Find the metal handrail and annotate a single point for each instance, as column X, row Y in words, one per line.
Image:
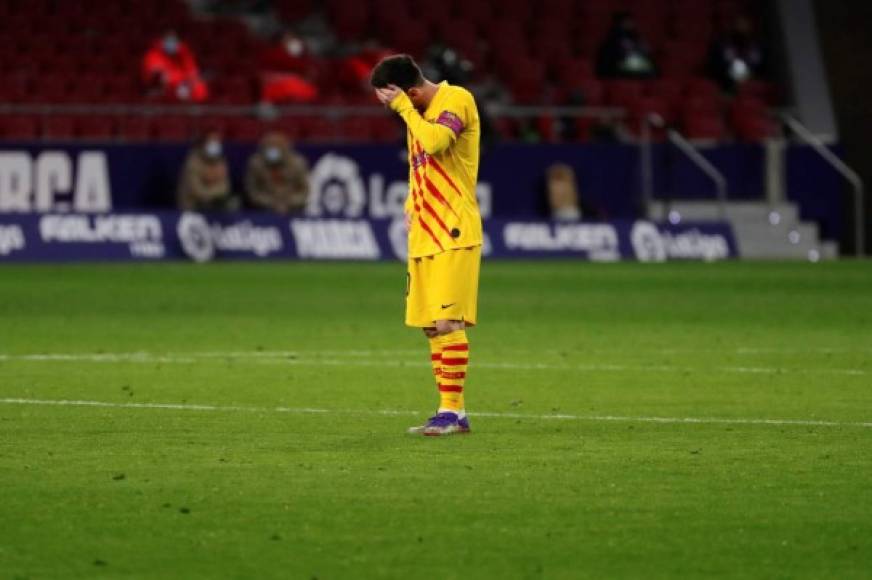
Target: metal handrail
column 690, row 151
column 842, row 169
column 705, row 166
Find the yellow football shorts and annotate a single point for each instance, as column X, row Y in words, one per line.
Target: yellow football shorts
column 443, row 287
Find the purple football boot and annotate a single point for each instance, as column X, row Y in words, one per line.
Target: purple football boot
column 445, row 423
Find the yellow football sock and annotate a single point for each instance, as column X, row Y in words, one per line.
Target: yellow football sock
column 454, row 358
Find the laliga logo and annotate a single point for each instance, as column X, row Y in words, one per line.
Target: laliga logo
column 647, row 242
column 11, row 239
column 196, row 237
column 336, row 187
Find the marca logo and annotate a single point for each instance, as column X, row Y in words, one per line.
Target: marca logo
column 598, row 241
column 335, row 239
column 336, row 188
column 11, row 239
column 143, row 233
column 54, row 181
column 652, row 244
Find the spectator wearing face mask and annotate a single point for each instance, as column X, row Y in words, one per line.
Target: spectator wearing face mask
column 277, row 178
column 286, row 71
column 736, row 57
column 170, row 69
column 624, row 54
column 205, row 181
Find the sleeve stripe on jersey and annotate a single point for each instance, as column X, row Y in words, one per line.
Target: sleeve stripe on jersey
column 429, row 231
column 444, row 175
column 433, row 213
column 438, row 195
column 432, row 189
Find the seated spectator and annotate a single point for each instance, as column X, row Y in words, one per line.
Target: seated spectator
column 736, row 57
column 562, row 193
column 169, row 67
column 205, row 182
column 277, row 178
column 356, row 66
column 623, row 53
column 286, row 69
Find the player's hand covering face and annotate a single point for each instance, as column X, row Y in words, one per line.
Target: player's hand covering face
column 387, row 94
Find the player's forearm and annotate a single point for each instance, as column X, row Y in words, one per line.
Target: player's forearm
column 432, row 137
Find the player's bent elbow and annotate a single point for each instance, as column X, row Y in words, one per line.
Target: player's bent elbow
column 436, row 146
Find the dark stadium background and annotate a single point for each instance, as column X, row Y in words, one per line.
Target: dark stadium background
column 84, row 130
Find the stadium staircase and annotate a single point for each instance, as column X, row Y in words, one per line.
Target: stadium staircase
column 763, row 231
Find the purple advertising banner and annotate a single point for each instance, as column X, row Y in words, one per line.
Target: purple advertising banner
column 55, row 237
column 370, row 181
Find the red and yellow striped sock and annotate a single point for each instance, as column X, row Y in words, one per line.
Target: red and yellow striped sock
column 436, row 357
column 455, row 357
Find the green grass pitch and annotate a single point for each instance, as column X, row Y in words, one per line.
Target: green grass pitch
column 248, row 421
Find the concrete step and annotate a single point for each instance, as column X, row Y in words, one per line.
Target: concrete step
column 763, row 231
column 756, row 211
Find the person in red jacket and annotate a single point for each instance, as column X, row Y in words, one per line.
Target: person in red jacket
column 287, row 70
column 170, row 67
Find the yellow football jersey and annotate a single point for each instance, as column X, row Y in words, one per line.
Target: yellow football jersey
column 443, row 169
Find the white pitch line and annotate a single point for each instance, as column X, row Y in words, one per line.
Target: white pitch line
column 298, row 358
column 396, row 412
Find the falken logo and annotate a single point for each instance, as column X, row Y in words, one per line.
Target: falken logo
column 143, row 233
column 11, row 239
column 200, row 239
column 598, row 241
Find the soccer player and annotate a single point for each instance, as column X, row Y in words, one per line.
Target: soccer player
column 444, row 224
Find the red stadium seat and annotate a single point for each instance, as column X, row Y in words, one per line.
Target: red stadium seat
column 318, row 129
column 349, row 20
column 624, row 92
column 527, row 81
column 759, row 90
column 702, row 87
column 387, row 130
column 514, row 10
column 589, row 92
column 244, row 129
column 96, row 127
column 412, row 37
column 51, row 90
column 59, row 127
column 88, row 89
column 169, row 128
column 574, row 71
column 19, row 128
column 478, row 13
column 703, row 127
column 15, row 88
column 291, row 11
column 557, row 9
column 356, row 129
column 751, row 120
column 135, row 128
column 668, row 89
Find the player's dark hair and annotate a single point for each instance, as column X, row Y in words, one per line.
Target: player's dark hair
column 400, row 70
